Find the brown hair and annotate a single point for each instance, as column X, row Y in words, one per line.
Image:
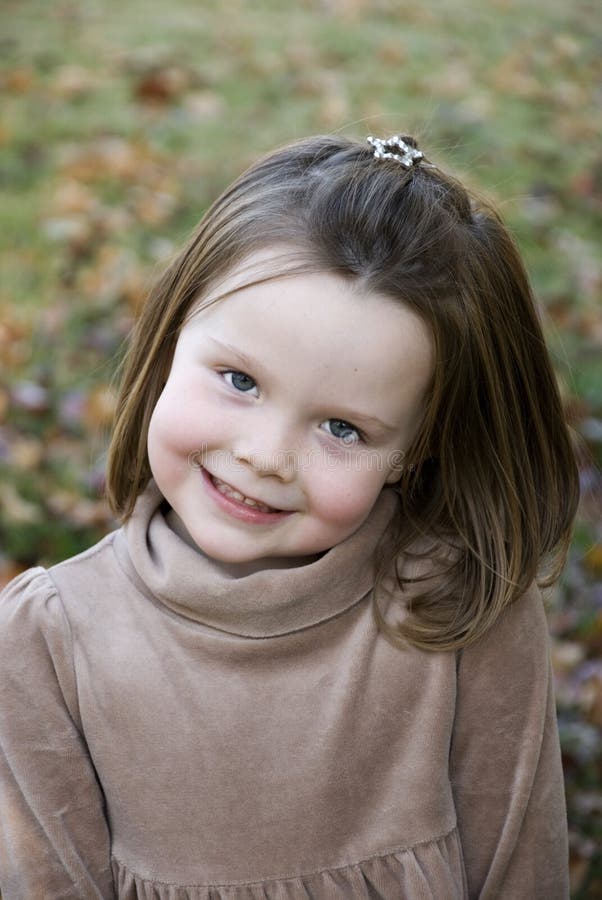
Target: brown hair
column 493, row 479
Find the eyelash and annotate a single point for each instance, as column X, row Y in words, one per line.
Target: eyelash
column 360, row 435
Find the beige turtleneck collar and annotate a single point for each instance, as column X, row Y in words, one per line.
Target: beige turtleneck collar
column 263, row 604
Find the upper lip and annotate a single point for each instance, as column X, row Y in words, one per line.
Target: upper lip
column 244, row 493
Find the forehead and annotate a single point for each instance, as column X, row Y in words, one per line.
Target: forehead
column 312, row 311
column 260, row 266
column 324, row 332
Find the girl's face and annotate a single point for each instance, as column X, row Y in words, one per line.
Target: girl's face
column 288, row 407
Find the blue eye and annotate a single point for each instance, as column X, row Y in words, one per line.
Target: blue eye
column 240, row 381
column 346, row 432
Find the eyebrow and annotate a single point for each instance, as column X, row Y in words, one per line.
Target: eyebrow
column 364, row 418
column 246, row 360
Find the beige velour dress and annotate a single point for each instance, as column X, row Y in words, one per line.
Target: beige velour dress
column 168, row 732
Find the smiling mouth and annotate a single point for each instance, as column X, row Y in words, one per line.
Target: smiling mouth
column 228, row 491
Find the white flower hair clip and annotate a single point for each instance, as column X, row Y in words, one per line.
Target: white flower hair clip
column 397, row 149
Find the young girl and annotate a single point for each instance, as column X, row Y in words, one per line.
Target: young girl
column 313, row 662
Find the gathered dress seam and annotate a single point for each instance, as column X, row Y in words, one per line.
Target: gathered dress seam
column 272, row 878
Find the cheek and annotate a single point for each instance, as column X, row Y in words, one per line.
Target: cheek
column 182, row 421
column 343, row 497
column 168, row 425
column 171, row 441
column 162, row 441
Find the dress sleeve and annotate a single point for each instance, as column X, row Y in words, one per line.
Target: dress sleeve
column 505, row 764
column 54, row 838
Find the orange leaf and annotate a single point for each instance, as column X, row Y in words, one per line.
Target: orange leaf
column 593, row 559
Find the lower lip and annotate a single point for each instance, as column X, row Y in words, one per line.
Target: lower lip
column 241, row 510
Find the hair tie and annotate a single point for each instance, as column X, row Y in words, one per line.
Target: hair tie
column 397, row 149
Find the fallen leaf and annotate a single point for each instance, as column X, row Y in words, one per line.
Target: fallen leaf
column 19, row 80
column 593, row 559
column 14, row 507
column 72, row 196
column 162, row 85
column 393, row 52
column 203, row 105
column 6, row 134
column 4, row 403
column 566, row 655
column 100, row 406
column 71, row 81
column 26, row 453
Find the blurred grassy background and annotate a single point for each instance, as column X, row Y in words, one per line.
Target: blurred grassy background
column 122, row 120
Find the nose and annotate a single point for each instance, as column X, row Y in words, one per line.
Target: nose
column 269, row 452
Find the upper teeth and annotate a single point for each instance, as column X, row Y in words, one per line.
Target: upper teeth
column 224, row 488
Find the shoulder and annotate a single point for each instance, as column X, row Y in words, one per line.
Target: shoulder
column 520, row 630
column 35, row 644
column 38, row 628
column 513, row 657
column 33, row 601
column 88, row 564
column 27, row 599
